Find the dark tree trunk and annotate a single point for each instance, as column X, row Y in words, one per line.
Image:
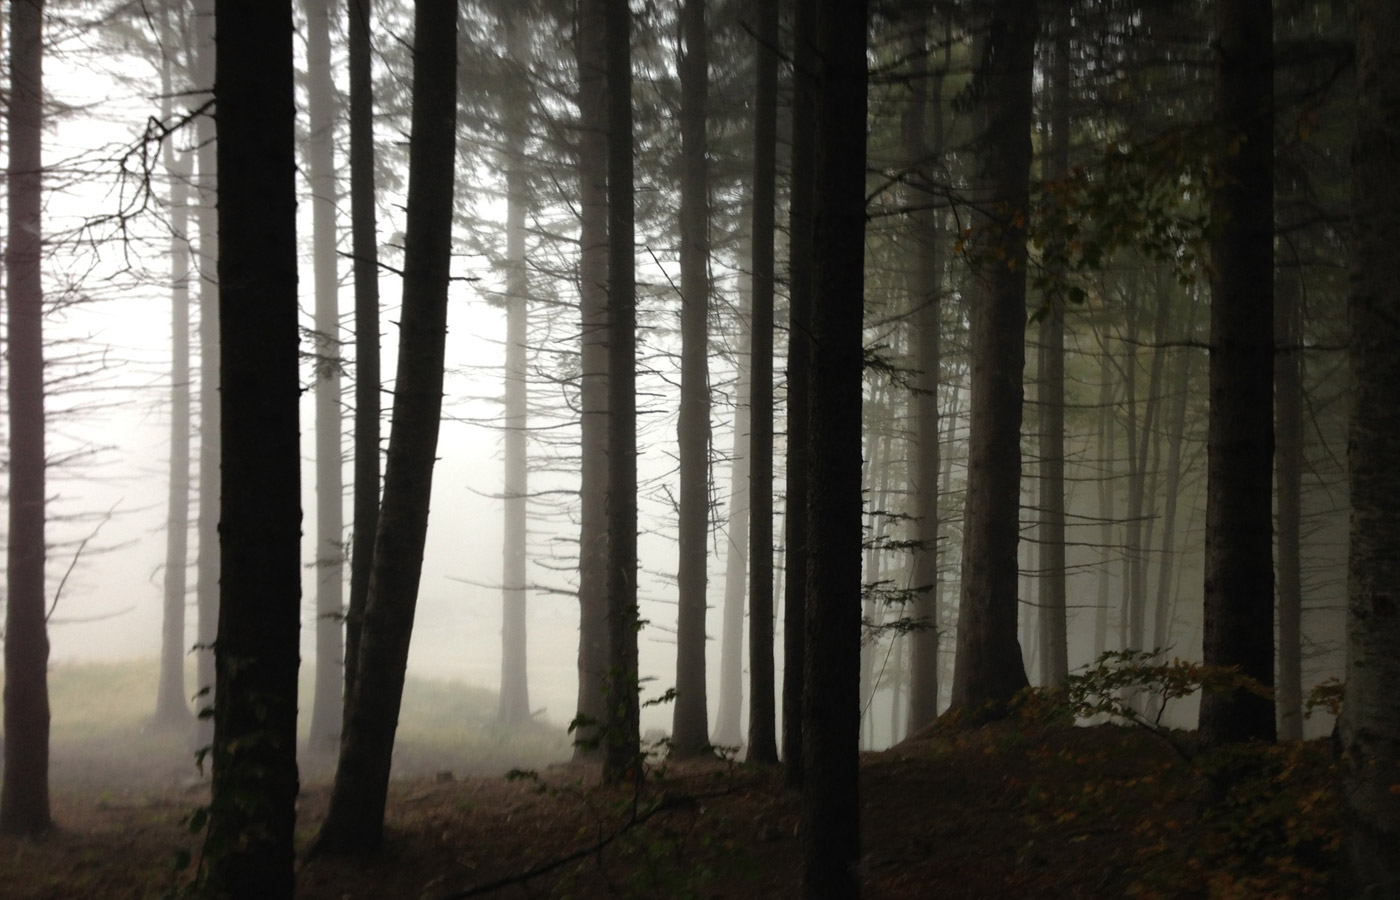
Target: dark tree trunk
column 925, row 299
column 1370, row 724
column 804, row 115
column 514, row 707
column 210, row 434
column 1288, row 476
column 1239, row 567
column 690, row 734
column 763, row 739
column 252, row 812
column 830, row 807
column 329, row 559
column 355, row 819
column 621, row 761
column 593, row 390
column 172, row 709
column 365, row 247
column 988, row 667
column 24, row 796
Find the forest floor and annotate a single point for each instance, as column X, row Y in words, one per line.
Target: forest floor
column 1014, row 809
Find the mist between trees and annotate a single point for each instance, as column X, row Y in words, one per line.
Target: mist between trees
column 809, row 437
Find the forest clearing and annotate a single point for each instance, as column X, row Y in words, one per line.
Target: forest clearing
column 1020, row 808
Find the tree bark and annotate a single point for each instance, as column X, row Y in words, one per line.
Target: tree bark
column 1239, row 568
column 252, row 812
column 988, row 668
column 763, row 741
column 329, row 561
column 830, row 808
column 355, row 820
column 736, row 563
column 1370, row 723
column 690, row 724
column 24, row 795
column 1288, row 478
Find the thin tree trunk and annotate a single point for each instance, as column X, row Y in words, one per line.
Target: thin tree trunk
column 355, row 820
column 24, row 796
column 690, row 724
column 329, row 560
column 252, row 812
column 736, row 565
column 1288, row 475
column 763, row 740
column 1107, row 496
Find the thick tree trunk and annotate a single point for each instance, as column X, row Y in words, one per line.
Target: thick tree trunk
column 830, row 808
column 1239, row 568
column 355, row 819
column 24, row 796
column 252, row 812
column 1370, row 725
column 763, row 741
column 621, row 761
column 799, row 378
column 514, row 707
column 329, row 562
column 1288, row 477
column 988, row 667
column 690, row 729
column 365, row 246
column 593, row 377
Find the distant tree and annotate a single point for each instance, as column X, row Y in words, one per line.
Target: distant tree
column 364, row 245
column 592, row 161
column 690, row 724
column 1239, row 568
column 988, row 668
column 736, row 549
column 763, row 742
column 1370, row 723
column 24, row 795
column 355, row 820
column 329, row 560
column 252, row 812
column 622, row 723
column 830, row 808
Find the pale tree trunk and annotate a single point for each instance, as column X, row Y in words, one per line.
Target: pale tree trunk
column 1370, row 724
column 830, row 805
column 329, row 559
column 988, row 667
column 364, row 244
column 1288, row 477
column 207, row 554
column 514, row 707
column 593, row 377
column 1238, row 627
column 355, row 819
column 172, row 709
column 1107, row 495
column 24, row 796
column 621, row 758
column 798, row 389
column 736, row 564
column 763, row 740
column 690, row 724
column 252, row 809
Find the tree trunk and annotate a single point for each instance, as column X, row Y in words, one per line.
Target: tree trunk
column 763, row 741
column 24, row 796
column 736, row 563
column 514, row 707
column 329, row 562
column 799, row 378
column 593, row 390
column 355, row 820
column 690, row 729
column 1288, row 475
column 365, row 246
column 252, row 811
column 1107, row 496
column 1239, row 567
column 622, row 759
column 172, row 710
column 988, row 668
column 210, row 434
column 1370, row 724
column 830, row 807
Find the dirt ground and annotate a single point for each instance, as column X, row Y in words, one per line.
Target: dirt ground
column 1001, row 811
